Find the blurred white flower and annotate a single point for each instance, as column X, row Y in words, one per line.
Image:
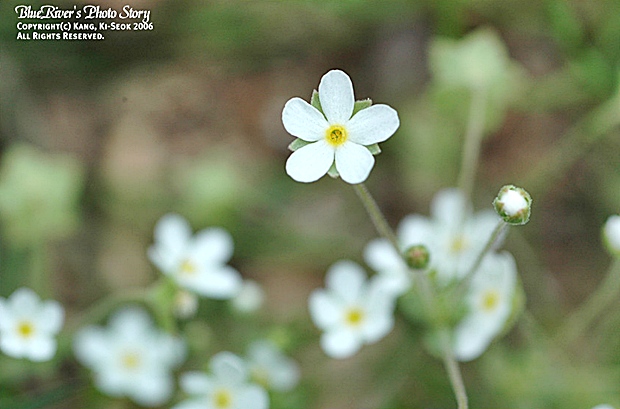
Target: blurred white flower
column 603, row 407
column 28, row 326
column 351, row 310
column 611, row 234
column 131, row 357
column 250, row 298
column 196, row 263
column 335, row 135
column 489, row 301
column 271, row 368
column 453, row 235
column 227, row 387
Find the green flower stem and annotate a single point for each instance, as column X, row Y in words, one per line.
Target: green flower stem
column 578, row 139
column 39, row 276
column 579, row 321
column 384, row 229
column 473, row 140
column 464, row 284
column 376, row 216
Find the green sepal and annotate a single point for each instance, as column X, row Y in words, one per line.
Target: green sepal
column 362, row 104
column 374, row 148
column 333, row 172
column 316, row 102
column 297, row 143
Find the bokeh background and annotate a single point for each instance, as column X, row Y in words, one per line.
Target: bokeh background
column 110, row 135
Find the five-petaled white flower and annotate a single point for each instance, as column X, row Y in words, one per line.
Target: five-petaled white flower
column 28, row 325
column 131, row 357
column 336, row 135
column 453, row 235
column 227, row 387
column 271, row 368
column 196, row 263
column 489, row 301
column 351, row 310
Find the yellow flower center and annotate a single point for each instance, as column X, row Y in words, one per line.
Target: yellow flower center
column 25, row 329
column 490, row 300
column 354, row 316
column 458, row 244
column 130, row 360
column 336, row 135
column 187, row 268
column 222, row 399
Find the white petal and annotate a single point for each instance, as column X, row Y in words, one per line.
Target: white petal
column 341, row 343
column 196, row 383
column 7, row 320
column 346, row 279
column 471, row 339
column 415, row 229
column 380, row 255
column 325, row 311
column 373, row 125
column 131, row 322
column 377, row 327
column 24, row 302
column 222, row 283
column 13, row 345
column 285, row 376
column 192, row 404
column 304, row 121
column 41, row 348
column 90, row 346
column 51, row 317
column 450, row 207
column 354, row 162
column 152, row 390
column 229, row 368
column 172, row 230
column 252, row 397
column 336, row 96
column 309, row 163
column 211, row 246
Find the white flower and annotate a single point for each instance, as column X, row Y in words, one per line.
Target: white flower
column 603, row 406
column 131, row 357
column 351, row 311
column 28, row 325
column 489, row 301
column 271, row 368
column 335, row 135
column 226, row 388
column 453, row 236
column 196, row 263
column 611, row 234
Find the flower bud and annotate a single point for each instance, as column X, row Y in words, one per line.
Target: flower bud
column 611, row 235
column 417, row 257
column 513, row 204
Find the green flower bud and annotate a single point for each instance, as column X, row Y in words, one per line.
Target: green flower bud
column 417, row 257
column 513, row 204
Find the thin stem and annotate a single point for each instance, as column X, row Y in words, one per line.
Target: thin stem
column 501, row 226
column 376, row 216
column 578, row 139
column 473, row 139
column 454, row 372
column 585, row 315
column 384, row 229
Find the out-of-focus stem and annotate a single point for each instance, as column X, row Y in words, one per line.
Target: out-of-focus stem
column 473, row 139
column 607, row 291
column 384, row 229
